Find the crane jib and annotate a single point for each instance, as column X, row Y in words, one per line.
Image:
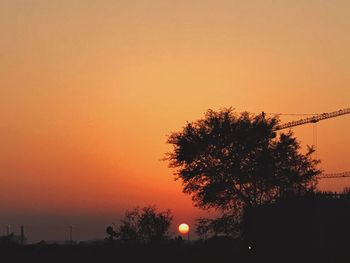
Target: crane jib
column 312, row 119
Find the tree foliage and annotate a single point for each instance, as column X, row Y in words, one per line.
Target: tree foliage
column 144, row 225
column 226, row 225
column 229, row 161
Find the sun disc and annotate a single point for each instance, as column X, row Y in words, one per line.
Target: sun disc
column 184, row 228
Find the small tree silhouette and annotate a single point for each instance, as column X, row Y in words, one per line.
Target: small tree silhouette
column 144, row 225
column 112, row 235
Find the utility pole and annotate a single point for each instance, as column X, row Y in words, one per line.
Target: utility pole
column 22, row 235
column 71, row 234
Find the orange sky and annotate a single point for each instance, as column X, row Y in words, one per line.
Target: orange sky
column 90, row 89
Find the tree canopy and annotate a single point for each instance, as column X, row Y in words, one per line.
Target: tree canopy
column 144, row 225
column 230, row 161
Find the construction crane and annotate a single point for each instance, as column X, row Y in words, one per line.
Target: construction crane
column 334, row 175
column 312, row 119
column 315, row 119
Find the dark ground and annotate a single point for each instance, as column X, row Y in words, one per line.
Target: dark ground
column 219, row 252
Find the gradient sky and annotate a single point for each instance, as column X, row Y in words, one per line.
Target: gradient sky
column 90, row 89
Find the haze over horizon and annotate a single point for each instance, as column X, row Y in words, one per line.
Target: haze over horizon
column 90, row 89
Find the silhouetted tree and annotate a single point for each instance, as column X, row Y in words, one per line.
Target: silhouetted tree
column 226, row 225
column 144, row 225
column 112, row 235
column 232, row 162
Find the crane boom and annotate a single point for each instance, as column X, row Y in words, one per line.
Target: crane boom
column 334, row 175
column 315, row 119
column 312, row 119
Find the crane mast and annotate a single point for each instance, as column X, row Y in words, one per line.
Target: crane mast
column 312, row 119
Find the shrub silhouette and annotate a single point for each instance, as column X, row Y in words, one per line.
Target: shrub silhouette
column 145, row 225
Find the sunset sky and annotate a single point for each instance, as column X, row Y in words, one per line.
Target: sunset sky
column 90, row 89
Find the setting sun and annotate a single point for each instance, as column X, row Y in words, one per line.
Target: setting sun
column 184, row 229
